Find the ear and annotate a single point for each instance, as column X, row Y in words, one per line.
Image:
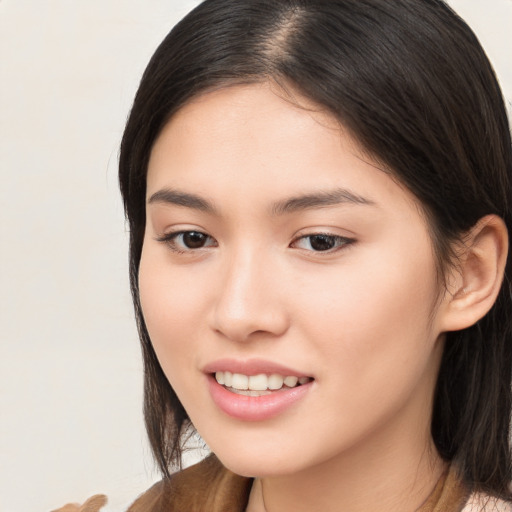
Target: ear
column 475, row 281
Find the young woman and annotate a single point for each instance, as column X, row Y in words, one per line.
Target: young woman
column 319, row 199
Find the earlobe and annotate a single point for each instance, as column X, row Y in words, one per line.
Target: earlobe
column 478, row 274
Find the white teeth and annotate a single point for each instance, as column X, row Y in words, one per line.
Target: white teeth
column 291, row 382
column 261, row 382
column 240, row 381
column 275, row 381
column 250, row 392
column 258, row 382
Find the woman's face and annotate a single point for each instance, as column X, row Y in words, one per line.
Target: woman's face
column 274, row 248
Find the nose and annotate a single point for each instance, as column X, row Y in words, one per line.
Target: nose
column 248, row 299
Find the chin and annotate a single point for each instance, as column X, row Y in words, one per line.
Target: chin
column 260, row 467
column 261, row 458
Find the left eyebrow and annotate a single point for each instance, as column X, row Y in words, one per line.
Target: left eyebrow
column 320, row 199
column 185, row 199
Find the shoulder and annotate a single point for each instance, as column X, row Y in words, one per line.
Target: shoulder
column 206, row 486
column 479, row 502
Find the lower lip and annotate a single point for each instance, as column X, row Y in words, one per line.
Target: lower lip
column 255, row 408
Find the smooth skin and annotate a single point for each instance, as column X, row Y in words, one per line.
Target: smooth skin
column 342, row 286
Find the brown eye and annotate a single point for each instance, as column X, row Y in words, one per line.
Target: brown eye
column 322, row 242
column 194, row 239
column 187, row 241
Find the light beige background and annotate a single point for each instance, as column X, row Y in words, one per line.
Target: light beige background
column 70, row 371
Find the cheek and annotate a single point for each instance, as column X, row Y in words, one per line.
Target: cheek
column 371, row 337
column 169, row 308
column 374, row 316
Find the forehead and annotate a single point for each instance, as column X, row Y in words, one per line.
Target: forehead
column 242, row 140
column 252, row 118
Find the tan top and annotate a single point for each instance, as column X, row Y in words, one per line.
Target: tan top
column 210, row 487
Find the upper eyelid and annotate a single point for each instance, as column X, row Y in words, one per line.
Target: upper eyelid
column 319, row 233
column 172, row 235
column 177, row 232
column 322, row 233
column 169, row 239
column 344, row 242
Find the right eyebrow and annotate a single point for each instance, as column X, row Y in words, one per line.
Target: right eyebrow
column 178, row 198
column 320, row 199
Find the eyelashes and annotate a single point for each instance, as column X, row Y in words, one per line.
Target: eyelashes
column 187, row 241
column 321, row 242
column 190, row 241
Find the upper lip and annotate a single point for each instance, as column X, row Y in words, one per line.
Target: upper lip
column 251, row 367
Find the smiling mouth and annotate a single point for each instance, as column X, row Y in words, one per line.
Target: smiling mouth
column 258, row 385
